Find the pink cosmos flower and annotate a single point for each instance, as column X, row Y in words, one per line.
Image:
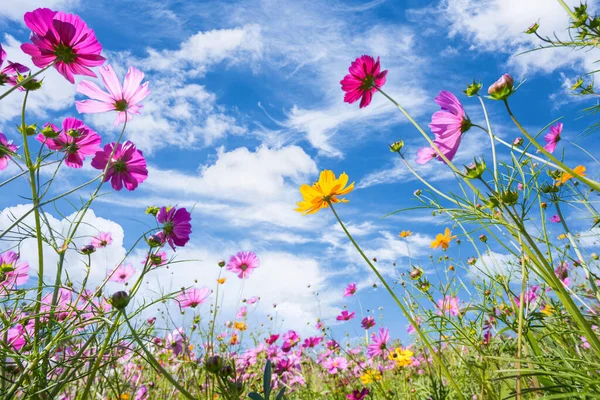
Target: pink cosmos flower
column 242, row 312
column 76, row 139
column 8, row 74
column 448, row 305
column 411, row 328
column 350, row 290
column 15, row 337
column 335, row 364
column 63, row 39
column 555, row 219
column 271, row 339
column 127, row 167
column 142, row 393
column 102, row 240
column 176, row 226
column 7, row 148
column 312, row 342
column 174, row 341
column 156, row 260
column 252, row 300
column 358, row 394
column 122, row 273
column 345, row 316
column 363, row 80
column 122, row 99
column 12, row 271
column 368, row 322
column 562, row 273
column 193, row 297
column 243, row 263
column 378, row 347
column 290, row 340
column 553, row 137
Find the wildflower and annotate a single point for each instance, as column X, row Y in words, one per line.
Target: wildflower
column 102, row 240
column 396, row 146
column 363, row 80
column 518, row 142
column 411, row 328
column 562, row 236
column 193, row 297
column 405, row 234
column 553, row 137
column 367, row 322
column 416, row 273
column 76, row 139
column 141, row 393
column 473, row 89
column 312, row 342
column 127, row 166
column 358, row 394
column 221, row 281
column 122, row 99
column 402, row 357
column 174, row 341
column 532, row 29
column 271, row 339
column 7, row 149
column 243, row 263
column 12, row 272
column 369, row 376
column 555, row 219
column 253, row 300
column 448, row 305
column 15, row 337
column 442, row 240
column 240, row 325
column 562, row 273
column 156, row 260
column 62, row 39
column 345, row 316
column 325, row 190
column 242, row 312
column 547, row 310
column 350, row 290
column 335, row 364
column 378, row 347
column 290, row 340
column 122, row 273
column 176, row 226
column 565, row 176
column 502, row 88
column 9, row 74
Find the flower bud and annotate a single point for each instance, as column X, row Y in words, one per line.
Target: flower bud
column 578, row 83
column 471, row 260
column 518, row 142
column 50, row 131
column 532, row 29
column 88, row 249
column 120, row 300
column 416, row 273
column 417, row 192
column 509, row 197
column 226, row 370
column 30, row 130
column 221, row 263
column 473, row 89
column 152, row 210
column 595, row 257
column 30, row 85
column 155, row 240
column 475, row 170
column 424, row 286
column 151, row 321
column 547, row 188
column 396, row 146
column 214, row 364
column 544, row 205
column 502, row 88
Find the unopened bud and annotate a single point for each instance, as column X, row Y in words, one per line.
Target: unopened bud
column 29, row 130
column 483, row 238
column 416, row 273
column 120, row 300
column 155, row 240
column 532, row 29
column 88, row 249
column 214, row 364
column 473, row 89
column 221, row 263
column 50, row 131
column 396, row 146
column 475, row 170
column 502, row 88
column 518, row 142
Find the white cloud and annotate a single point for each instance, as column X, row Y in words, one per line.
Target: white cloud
column 15, row 9
column 491, row 264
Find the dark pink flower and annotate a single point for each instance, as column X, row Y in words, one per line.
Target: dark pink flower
column 243, row 263
column 12, row 271
column 64, row 39
column 102, row 240
column 176, row 226
column 553, row 137
column 15, row 337
column 122, row 273
column 555, row 219
column 367, row 322
column 76, row 139
column 358, row 394
column 8, row 74
column 127, row 167
column 271, row 339
column 193, row 297
column 312, row 342
column 350, row 290
column 345, row 316
column 378, row 346
column 7, row 148
column 363, row 80
column 122, row 99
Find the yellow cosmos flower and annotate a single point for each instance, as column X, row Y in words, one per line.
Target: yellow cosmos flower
column 240, row 326
column 221, row 281
column 547, row 310
column 565, row 176
column 405, row 234
column 442, row 240
column 402, row 357
column 370, row 376
column 325, row 190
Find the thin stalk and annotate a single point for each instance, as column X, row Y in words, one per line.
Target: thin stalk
column 24, row 81
column 489, row 131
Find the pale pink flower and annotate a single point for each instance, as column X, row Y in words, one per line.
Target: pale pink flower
column 448, row 306
column 7, row 148
column 13, row 272
column 193, row 297
column 335, row 364
column 243, row 263
column 102, row 240
column 122, row 273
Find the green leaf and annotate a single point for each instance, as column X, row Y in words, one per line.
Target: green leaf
column 280, row 394
column 255, row 396
column 267, row 380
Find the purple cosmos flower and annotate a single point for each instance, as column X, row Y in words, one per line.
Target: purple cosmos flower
column 555, row 219
column 345, row 316
column 122, row 273
column 553, row 137
column 350, row 290
column 363, row 80
column 102, row 240
column 243, row 263
column 358, row 394
column 378, row 347
column 368, row 322
column 63, row 39
column 76, row 139
column 174, row 341
column 12, row 272
column 8, row 74
column 7, row 148
column 176, row 226
column 142, row 393
column 127, row 167
column 122, row 99
column 193, row 297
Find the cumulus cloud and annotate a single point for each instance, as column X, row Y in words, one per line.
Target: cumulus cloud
column 14, row 9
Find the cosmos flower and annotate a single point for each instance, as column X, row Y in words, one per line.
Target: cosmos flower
column 174, row 341
column 243, row 263
column 411, row 328
column 8, row 74
column 15, row 337
column 312, row 342
column 358, row 394
column 442, row 240
column 325, row 190
column 63, row 39
column 102, row 240
column 402, row 357
column 76, row 140
column 368, row 322
column 290, row 340
column 12, row 272
column 335, row 364
column 127, row 167
column 271, row 339
column 122, row 273
column 405, row 234
column 176, row 226
column 448, row 306
column 345, row 316
column 555, row 219
column 350, row 290
column 253, row 300
column 156, row 260
column 378, row 346
column 7, row 148
column 553, row 137
column 242, row 312
column 363, row 80
column 122, row 99
column 193, row 297
column 565, row 176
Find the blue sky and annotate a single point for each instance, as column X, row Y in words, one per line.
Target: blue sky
column 246, row 105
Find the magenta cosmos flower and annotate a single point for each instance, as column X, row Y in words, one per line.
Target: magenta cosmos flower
column 12, row 272
column 63, row 39
column 193, row 297
column 555, row 219
column 176, row 226
column 76, row 139
column 7, row 149
column 553, row 137
column 102, row 240
column 345, row 316
column 350, row 290
column 15, row 337
column 367, row 322
column 448, row 126
column 358, row 394
column 122, row 273
column 378, row 347
column 363, row 80
column 243, row 263
column 127, row 167
column 8, row 74
column 122, row 99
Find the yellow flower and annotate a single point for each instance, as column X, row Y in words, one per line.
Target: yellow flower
column 402, row 357
column 565, row 176
column 234, row 339
column 405, row 234
column 326, row 190
column 124, row 396
column 240, row 326
column 547, row 310
column 221, row 281
column 370, row 376
column 442, row 240
column 562, row 236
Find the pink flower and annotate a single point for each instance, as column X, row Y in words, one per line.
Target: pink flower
column 335, row 364
column 63, row 39
column 122, row 99
column 358, row 394
column 425, row 154
column 562, row 273
column 350, row 290
column 555, row 219
column 378, row 347
column 448, row 305
column 102, row 240
column 290, row 339
column 15, row 337
column 271, row 339
column 8, row 74
column 142, row 393
column 7, row 148
column 12, row 271
column 76, row 139
column 363, row 80
column 127, row 167
column 312, row 342
column 368, row 322
column 176, row 226
column 411, row 328
column 252, row 300
column 193, row 297
column 345, row 316
column 122, row 273
column 242, row 312
column 156, row 260
column 174, row 341
column 243, row 263
column 553, row 137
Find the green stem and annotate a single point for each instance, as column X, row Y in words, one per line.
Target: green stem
column 24, row 81
column 489, row 131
